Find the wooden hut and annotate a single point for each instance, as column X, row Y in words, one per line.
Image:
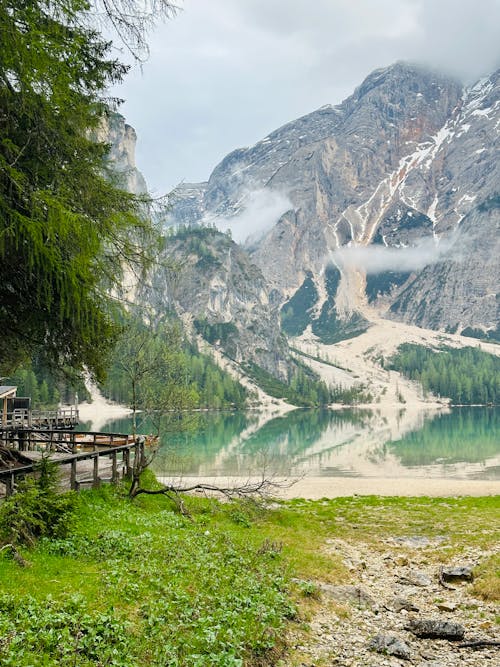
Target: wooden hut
column 7, row 396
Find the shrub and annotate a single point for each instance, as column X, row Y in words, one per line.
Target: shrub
column 37, row 509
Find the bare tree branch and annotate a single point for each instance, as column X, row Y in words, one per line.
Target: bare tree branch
column 261, row 488
column 132, row 20
column 264, row 487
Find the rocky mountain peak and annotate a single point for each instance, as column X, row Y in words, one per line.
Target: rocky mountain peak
column 410, row 158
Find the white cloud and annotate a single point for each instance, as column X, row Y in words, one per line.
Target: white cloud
column 260, row 210
column 376, row 259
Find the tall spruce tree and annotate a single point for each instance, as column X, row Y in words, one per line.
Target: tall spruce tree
column 66, row 232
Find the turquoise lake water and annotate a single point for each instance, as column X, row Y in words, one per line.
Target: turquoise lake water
column 463, row 443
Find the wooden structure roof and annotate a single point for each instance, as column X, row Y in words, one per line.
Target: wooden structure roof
column 7, row 392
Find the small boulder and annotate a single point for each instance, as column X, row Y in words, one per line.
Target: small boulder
column 400, row 604
column 462, row 573
column 390, row 645
column 415, row 578
column 436, row 629
column 446, row 606
column 351, row 594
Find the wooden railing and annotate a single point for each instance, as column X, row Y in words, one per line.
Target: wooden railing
column 66, row 453
column 21, row 417
column 65, row 440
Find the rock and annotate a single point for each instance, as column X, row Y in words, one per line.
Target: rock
column 122, row 139
column 402, row 561
column 399, row 604
column 415, row 578
column 390, row 645
column 436, row 629
column 446, row 606
column 462, row 573
column 352, row 594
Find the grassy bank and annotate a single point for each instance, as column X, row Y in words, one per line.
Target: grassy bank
column 136, row 583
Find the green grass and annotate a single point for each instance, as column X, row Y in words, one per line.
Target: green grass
column 136, row 583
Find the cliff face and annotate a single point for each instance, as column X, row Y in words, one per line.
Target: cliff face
column 209, row 281
column 122, row 139
column 464, row 180
column 409, row 160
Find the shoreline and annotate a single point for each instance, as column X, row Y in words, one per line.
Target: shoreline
column 101, row 410
column 317, row 488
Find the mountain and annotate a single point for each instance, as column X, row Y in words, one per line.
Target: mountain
column 219, row 293
column 405, row 169
column 122, row 140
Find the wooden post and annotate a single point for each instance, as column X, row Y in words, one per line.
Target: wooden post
column 126, row 461
column 114, row 468
column 72, row 438
column 95, row 481
column 22, row 441
column 73, row 475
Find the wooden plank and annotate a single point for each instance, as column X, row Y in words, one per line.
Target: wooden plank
column 114, row 467
column 96, row 480
column 73, row 475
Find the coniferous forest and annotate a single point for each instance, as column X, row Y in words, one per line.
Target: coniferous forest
column 467, row 376
column 155, row 367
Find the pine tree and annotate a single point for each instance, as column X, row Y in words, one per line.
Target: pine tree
column 66, row 231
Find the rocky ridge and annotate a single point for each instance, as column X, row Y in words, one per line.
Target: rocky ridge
column 122, row 139
column 219, row 293
column 410, row 156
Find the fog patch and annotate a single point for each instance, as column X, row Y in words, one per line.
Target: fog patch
column 377, row 259
column 259, row 211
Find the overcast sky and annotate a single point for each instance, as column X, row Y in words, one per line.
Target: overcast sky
column 224, row 73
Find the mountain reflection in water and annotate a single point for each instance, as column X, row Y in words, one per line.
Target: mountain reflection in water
column 461, row 443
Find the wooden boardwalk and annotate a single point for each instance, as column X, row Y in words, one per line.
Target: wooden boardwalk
column 84, row 458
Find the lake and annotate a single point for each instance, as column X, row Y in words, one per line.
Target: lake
column 457, row 443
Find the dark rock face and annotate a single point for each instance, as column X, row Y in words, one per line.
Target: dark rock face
column 461, row 573
column 409, row 156
column 436, row 629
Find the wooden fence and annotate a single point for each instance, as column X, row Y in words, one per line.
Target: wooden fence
column 79, row 457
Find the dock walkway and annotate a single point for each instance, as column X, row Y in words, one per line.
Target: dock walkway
column 84, row 458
